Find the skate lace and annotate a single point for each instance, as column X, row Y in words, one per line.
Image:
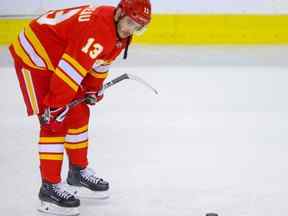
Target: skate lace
column 61, row 192
column 89, row 175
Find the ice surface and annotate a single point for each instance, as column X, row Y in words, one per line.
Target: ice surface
column 213, row 140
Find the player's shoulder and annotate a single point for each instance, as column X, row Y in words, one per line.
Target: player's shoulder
column 98, row 22
column 95, row 18
column 103, row 21
column 95, row 13
column 104, row 10
column 105, row 15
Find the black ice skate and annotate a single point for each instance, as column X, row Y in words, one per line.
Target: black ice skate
column 55, row 199
column 87, row 183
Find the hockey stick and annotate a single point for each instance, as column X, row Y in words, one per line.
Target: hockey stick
column 45, row 118
column 113, row 82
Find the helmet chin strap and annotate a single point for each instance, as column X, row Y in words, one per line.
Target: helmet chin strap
column 125, row 55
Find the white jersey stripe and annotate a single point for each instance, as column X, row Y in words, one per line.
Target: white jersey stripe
column 101, row 68
column 30, row 51
column 70, row 71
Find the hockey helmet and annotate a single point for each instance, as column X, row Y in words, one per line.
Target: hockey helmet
column 138, row 10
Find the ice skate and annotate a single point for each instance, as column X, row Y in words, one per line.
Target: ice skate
column 87, row 184
column 55, row 200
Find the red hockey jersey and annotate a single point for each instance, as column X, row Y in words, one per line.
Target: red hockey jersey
column 76, row 44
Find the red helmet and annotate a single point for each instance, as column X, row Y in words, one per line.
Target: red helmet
column 138, row 10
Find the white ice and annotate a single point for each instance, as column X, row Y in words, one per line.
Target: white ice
column 213, row 140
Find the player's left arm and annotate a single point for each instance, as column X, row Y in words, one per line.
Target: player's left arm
column 74, row 66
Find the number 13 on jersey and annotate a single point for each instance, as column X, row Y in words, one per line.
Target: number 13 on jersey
column 92, row 49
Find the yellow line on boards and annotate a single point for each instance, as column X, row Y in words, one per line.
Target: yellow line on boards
column 195, row 29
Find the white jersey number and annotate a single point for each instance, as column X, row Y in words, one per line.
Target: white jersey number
column 59, row 16
column 91, row 48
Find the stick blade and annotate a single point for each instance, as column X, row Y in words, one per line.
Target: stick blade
column 140, row 80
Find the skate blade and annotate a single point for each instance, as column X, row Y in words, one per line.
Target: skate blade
column 52, row 209
column 84, row 193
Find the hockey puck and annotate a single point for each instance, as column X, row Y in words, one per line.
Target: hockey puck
column 211, row 214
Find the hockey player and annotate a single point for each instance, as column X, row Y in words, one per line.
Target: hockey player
column 59, row 57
